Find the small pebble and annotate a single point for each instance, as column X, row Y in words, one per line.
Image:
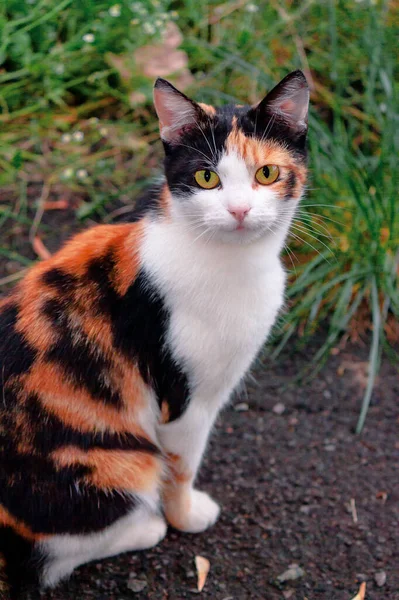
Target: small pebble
column 279, row 408
column 288, row 593
column 293, row 572
column 329, row 448
column 241, row 407
column 380, row 578
column 136, row 585
column 305, row 509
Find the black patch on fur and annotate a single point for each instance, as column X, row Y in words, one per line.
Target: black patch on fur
column 50, row 433
column 53, row 500
column 139, row 322
column 100, row 272
column 60, row 280
column 83, row 364
column 56, row 311
column 146, row 203
column 81, row 360
column 290, row 185
column 199, row 148
column 16, row 355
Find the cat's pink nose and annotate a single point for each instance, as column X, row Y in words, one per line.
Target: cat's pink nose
column 239, row 213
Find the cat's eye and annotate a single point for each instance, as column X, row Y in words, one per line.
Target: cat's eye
column 267, row 174
column 207, row 179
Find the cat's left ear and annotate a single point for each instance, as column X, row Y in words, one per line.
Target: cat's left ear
column 288, row 102
column 176, row 112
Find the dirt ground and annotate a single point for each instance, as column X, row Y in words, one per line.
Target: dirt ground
column 285, row 482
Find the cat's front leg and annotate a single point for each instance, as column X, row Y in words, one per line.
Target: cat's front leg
column 184, row 442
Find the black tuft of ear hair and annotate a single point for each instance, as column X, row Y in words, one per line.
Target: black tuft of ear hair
column 287, row 103
column 176, row 112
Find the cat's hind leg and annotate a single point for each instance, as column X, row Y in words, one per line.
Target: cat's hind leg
column 138, row 530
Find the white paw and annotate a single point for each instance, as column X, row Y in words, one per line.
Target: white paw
column 203, row 512
column 151, row 532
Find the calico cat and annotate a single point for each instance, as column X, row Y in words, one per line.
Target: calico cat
column 118, row 352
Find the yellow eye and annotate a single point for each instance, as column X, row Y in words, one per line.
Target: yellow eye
column 267, row 174
column 207, row 179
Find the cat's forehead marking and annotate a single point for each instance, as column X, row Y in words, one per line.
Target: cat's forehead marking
column 255, row 152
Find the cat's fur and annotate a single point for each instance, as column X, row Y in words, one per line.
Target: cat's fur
column 117, row 353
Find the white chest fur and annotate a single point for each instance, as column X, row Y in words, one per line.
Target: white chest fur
column 223, row 300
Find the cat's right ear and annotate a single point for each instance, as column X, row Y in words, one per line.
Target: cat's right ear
column 176, row 112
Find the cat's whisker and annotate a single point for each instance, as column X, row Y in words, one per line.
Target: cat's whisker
column 290, row 254
column 332, row 206
column 268, row 128
column 324, row 217
column 201, row 234
column 297, row 237
column 205, row 138
column 305, row 231
column 208, row 158
column 313, row 227
column 297, row 222
column 211, row 126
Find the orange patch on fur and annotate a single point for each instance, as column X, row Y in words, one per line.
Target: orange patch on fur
column 88, row 245
column 258, row 153
column 177, row 491
column 32, row 324
column 123, row 240
column 165, row 413
column 77, row 409
column 208, row 108
column 177, row 471
column 177, row 504
column 127, row 255
column 125, row 470
column 8, row 520
column 99, row 330
column 164, row 200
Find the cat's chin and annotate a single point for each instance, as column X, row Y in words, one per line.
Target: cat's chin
column 243, row 236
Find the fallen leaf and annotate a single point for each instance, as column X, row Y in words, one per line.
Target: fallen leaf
column 359, row 370
column 122, row 63
column 56, row 205
column 137, row 98
column 164, row 60
column 382, row 496
column 202, row 565
column 361, row 593
column 40, row 248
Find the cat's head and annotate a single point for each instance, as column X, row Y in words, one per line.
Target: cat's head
column 236, row 173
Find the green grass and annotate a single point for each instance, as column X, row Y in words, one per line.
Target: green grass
column 77, row 124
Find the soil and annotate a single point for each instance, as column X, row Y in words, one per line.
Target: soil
column 296, row 486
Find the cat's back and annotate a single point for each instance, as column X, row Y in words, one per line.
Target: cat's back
column 65, row 281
